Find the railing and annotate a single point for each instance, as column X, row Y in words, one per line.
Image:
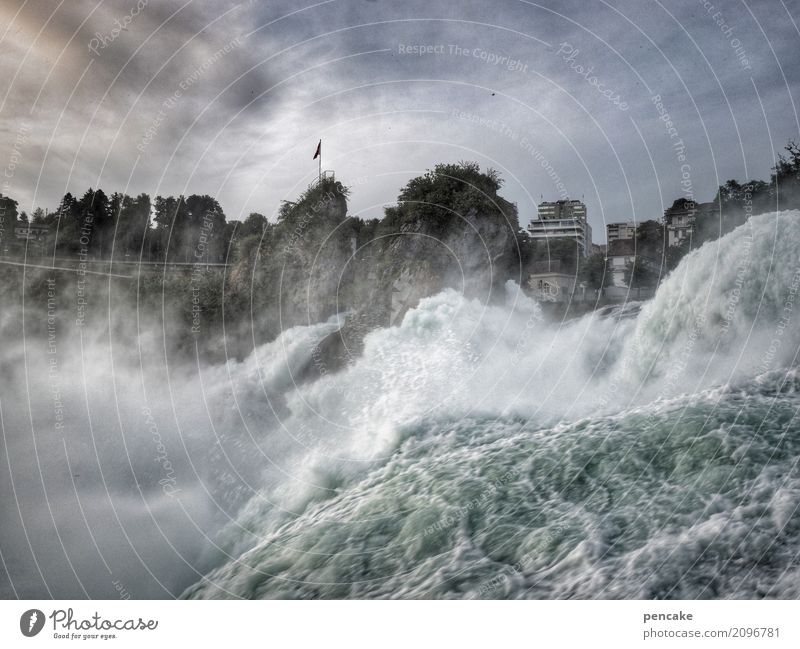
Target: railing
column 325, row 175
column 108, row 266
column 609, row 294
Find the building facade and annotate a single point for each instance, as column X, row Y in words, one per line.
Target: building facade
column 622, row 257
column 621, row 254
column 551, row 282
column 29, row 238
column 566, row 209
column 682, row 216
column 679, row 220
column 620, row 231
column 565, row 219
column 30, row 231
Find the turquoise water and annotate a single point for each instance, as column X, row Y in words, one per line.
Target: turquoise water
column 476, row 452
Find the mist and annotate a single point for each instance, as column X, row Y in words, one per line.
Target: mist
column 133, row 469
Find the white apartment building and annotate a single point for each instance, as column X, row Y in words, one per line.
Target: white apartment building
column 564, row 219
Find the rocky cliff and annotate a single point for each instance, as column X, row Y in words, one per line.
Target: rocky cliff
column 449, row 229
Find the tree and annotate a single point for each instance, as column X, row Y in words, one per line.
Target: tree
column 729, row 193
column 556, row 249
column 652, row 255
column 166, row 210
column 784, row 189
column 592, row 271
column 94, row 223
column 651, row 243
column 68, row 207
column 132, row 225
column 448, row 193
column 787, row 168
column 253, row 233
column 255, row 223
column 190, row 229
column 328, row 196
column 229, row 238
column 64, row 236
column 203, row 237
column 641, row 274
column 8, row 218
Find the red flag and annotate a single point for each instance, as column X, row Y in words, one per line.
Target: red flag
column 318, row 152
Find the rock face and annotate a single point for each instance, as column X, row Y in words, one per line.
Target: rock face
column 295, row 274
column 475, row 255
column 318, row 262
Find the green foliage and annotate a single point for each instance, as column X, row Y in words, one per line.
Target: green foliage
column 786, row 172
column 256, row 236
column 194, row 228
column 642, row 274
column 246, row 247
column 254, row 224
column 313, row 200
column 653, row 256
column 592, row 271
column 735, row 202
column 8, row 214
column 190, row 229
column 448, row 193
column 555, row 249
column 651, row 242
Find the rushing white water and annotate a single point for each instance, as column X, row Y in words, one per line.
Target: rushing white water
column 475, row 452
column 471, row 451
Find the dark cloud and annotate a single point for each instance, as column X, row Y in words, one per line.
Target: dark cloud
column 243, row 124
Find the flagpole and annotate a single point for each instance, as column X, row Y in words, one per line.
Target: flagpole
column 318, row 154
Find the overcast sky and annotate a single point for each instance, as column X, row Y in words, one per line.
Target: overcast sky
column 236, row 96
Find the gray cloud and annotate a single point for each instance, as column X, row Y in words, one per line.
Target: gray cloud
column 245, row 127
